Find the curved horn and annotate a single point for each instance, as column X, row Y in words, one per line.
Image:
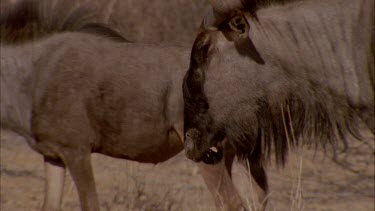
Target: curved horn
column 223, row 7
column 209, row 19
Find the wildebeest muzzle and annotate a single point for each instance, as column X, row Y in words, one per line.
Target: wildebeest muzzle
column 197, row 150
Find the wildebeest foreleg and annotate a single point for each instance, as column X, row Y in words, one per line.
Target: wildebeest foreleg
column 79, row 165
column 259, row 179
column 55, row 175
column 259, row 185
column 219, row 181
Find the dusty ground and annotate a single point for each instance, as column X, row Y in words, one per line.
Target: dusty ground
column 308, row 182
column 176, row 184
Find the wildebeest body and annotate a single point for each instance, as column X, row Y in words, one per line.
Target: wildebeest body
column 83, row 96
column 73, row 93
column 116, row 108
column 69, row 102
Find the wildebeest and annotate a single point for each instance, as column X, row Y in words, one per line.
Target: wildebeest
column 270, row 77
column 74, row 93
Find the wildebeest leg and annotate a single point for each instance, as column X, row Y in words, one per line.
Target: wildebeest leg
column 79, row 165
column 260, row 185
column 218, row 179
column 55, row 174
column 259, row 181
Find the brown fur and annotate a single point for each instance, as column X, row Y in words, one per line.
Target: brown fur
column 296, row 108
column 73, row 93
column 315, row 84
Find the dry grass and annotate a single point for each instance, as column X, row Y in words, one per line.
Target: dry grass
column 310, row 181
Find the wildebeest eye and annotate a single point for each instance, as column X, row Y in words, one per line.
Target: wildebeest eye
column 198, row 76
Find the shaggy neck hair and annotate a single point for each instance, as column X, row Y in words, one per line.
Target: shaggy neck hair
column 323, row 54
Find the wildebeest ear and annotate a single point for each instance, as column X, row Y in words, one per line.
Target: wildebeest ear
column 239, row 24
column 237, row 31
column 235, row 27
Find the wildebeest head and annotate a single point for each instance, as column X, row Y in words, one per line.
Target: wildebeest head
column 209, row 107
column 257, row 101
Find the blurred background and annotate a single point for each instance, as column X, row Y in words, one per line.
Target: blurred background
column 172, row 21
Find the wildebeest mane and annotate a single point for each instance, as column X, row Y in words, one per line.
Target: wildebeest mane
column 306, row 116
column 302, row 121
column 253, row 5
column 307, row 111
column 30, row 20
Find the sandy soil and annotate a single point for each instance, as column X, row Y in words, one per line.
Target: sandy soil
column 310, row 181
